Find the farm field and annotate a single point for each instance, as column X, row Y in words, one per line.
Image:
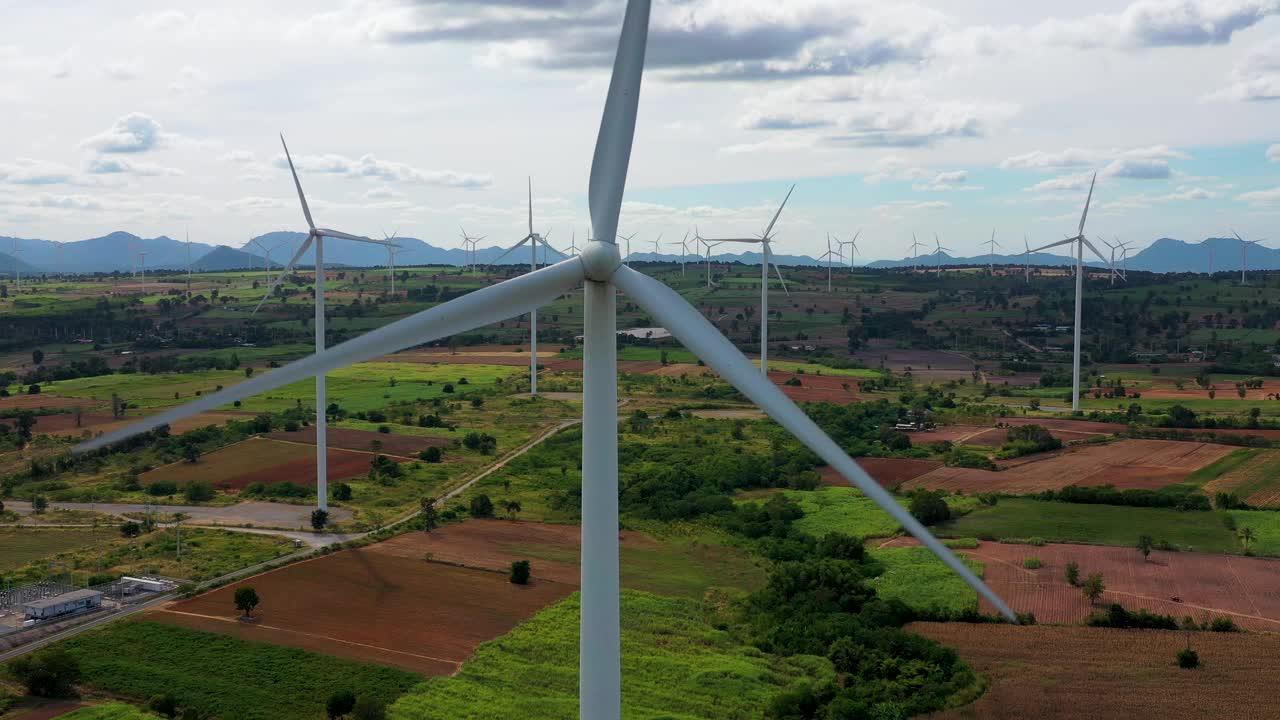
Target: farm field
column 918, row 578
column 63, row 424
column 19, row 547
column 1207, row 586
column 846, row 510
column 1058, row 673
column 676, row 566
column 361, row 440
column 889, row 472
column 109, row 711
column 1124, row 464
column 674, row 665
column 259, row 460
column 1256, row 480
column 253, row 680
column 311, row 605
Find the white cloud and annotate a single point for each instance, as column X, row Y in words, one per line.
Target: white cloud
column 1261, row 197
column 133, row 133
column 239, row 156
column 254, row 204
column 1041, row 160
column 1143, row 201
column 1256, row 78
column 370, row 167
column 188, row 81
column 382, row 193
column 25, row 171
column 164, row 20
column 113, row 165
column 1066, row 182
column 1273, row 153
column 945, row 181
column 126, row 69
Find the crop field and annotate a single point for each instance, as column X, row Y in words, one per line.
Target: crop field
column 1124, row 464
column 844, row 509
column 65, row 423
column 109, row 711
column 889, row 472
column 362, row 440
column 1256, row 480
column 21, row 546
column 1065, row 673
column 1017, row 518
column 675, row 664
column 422, row 616
column 222, row 675
column 672, row 565
column 816, row 388
column 1170, row 583
column 258, row 460
column 918, row 578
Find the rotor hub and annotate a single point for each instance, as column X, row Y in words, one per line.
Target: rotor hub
column 600, row 260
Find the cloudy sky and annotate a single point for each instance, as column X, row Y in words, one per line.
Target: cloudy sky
column 940, row 116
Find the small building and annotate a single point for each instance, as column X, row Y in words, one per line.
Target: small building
column 149, row 584
column 64, row 604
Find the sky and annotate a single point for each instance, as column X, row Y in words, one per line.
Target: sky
column 951, row 118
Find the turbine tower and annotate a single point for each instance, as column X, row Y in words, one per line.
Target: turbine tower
column 991, row 252
column 684, row 251
column 600, row 267
column 266, row 258
column 915, row 251
column 827, row 257
column 853, row 247
column 1026, row 264
column 17, row 268
column 188, row 262
column 315, row 236
column 708, row 246
column 469, row 244
column 1244, row 258
column 765, row 241
column 1079, row 242
column 938, row 251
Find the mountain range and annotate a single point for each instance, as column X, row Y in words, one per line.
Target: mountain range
column 119, row 250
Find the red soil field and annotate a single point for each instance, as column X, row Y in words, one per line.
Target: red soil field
column 889, row 472
column 49, row 711
column 1124, row 464
column 259, row 460
column 816, row 388
column 1068, row 673
column 342, row 464
column 41, row 400
column 374, row 606
column 392, row 444
column 1206, row 586
column 65, row 424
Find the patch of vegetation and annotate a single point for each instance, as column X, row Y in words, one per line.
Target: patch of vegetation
column 919, row 579
column 847, row 510
column 254, row 681
column 110, row 711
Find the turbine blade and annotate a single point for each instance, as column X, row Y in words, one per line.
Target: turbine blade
column 1052, row 245
column 510, row 250
column 784, row 282
column 356, row 238
column 1087, row 200
column 698, row 335
column 301, row 198
column 491, row 304
column 530, row 204
column 618, row 124
column 287, row 269
column 779, row 213
column 1094, row 249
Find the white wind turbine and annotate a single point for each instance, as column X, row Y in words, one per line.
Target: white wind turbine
column 991, row 252
column 684, row 250
column 142, row 265
column 1244, row 258
column 573, row 244
column 17, row 268
column 827, row 257
column 657, row 248
column 1079, row 242
column 315, row 236
column 1115, row 271
column 188, row 262
column 853, row 247
column 469, row 244
column 765, row 241
column 600, row 647
column 533, row 239
column 938, row 251
column 915, row 251
column 266, row 258
column 708, row 246
column 1026, row 264
column 392, row 250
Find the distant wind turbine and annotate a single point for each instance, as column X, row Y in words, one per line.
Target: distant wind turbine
column 827, row 257
column 1244, row 258
column 915, row 251
column 469, row 244
column 991, row 251
column 17, row 266
column 853, row 247
column 939, row 250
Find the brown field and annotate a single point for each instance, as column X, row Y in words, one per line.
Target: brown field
column 65, row 423
column 258, row 460
column 1256, row 481
column 377, row 606
column 47, row 710
column 1205, row 585
column 1068, row 673
column 1124, row 464
column 401, row 445
column 42, row 400
column 817, row 388
column 889, row 472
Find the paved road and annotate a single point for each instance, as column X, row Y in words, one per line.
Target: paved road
column 313, row 540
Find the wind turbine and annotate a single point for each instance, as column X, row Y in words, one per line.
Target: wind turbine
column 532, row 239
column 1114, row 270
column 1244, row 259
column 1026, row 264
column 573, row 244
column 142, row 264
column 915, row 251
column 853, row 245
column 684, row 250
column 827, row 257
column 938, row 250
column 17, row 268
column 657, row 248
column 188, row 262
column 315, row 236
column 469, row 243
column 1079, row 242
column 266, row 258
column 392, row 249
column 991, row 251
column 708, row 246
column 600, row 646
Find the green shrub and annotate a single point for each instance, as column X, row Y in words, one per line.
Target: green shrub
column 1032, row 563
column 1188, row 659
column 520, row 572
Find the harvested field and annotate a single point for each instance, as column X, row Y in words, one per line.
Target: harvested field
column 402, row 445
column 889, row 472
column 816, row 388
column 64, row 423
column 374, row 606
column 1124, row 464
column 1205, row 585
column 1256, row 481
column 43, row 400
column 1066, row 673
column 48, row 710
column 259, row 460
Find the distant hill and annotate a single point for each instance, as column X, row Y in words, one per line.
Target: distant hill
column 114, row 252
column 1035, row 259
column 9, row 265
column 223, row 258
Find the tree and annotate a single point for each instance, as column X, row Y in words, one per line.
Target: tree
column 198, row 491
column 369, row 709
column 37, row 356
column 342, row 492
column 1093, row 587
column 929, row 507
column 1073, row 573
column 483, row 443
column 248, row 372
column 1145, row 543
column 340, row 703
column 49, row 673
column 520, row 572
column 430, row 516
column 319, row 518
column 166, row 705
column 1188, row 659
column 1246, row 536
column 431, row 455
column 512, row 507
column 246, row 599
column 191, row 453
column 130, row 529
column 481, row 506
column 39, row 504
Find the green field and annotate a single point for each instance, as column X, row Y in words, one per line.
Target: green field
column 918, row 578
column 675, row 666
column 110, row 711
column 19, row 547
column 223, row 676
column 1115, row 525
column 847, row 510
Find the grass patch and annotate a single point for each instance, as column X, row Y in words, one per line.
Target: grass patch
column 1220, row 467
column 675, row 666
column 21, row 546
column 223, row 676
column 847, row 510
column 918, row 578
column 1113, row 525
column 111, row 711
